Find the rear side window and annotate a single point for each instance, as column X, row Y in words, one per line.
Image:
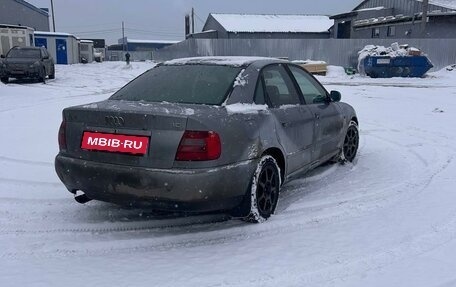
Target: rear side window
column 279, row 87
column 313, row 93
column 189, row 84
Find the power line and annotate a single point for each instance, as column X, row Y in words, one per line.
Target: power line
column 97, row 31
column 201, row 20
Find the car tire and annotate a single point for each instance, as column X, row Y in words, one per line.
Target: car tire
column 52, row 75
column 263, row 194
column 351, row 143
column 42, row 77
column 4, row 80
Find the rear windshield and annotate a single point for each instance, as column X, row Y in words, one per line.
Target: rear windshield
column 24, row 53
column 189, row 84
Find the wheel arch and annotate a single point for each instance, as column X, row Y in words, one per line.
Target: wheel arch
column 355, row 119
column 277, row 154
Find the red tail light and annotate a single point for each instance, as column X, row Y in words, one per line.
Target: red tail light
column 62, row 135
column 199, row 146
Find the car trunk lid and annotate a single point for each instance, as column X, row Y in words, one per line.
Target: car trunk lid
column 127, row 133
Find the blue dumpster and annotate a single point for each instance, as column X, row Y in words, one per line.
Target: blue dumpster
column 388, row 67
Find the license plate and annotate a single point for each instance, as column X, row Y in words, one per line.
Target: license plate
column 93, row 141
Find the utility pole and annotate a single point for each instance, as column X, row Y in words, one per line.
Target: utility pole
column 193, row 21
column 123, row 36
column 53, row 15
column 424, row 17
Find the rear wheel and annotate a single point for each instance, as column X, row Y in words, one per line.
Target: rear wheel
column 351, row 143
column 4, row 80
column 52, row 75
column 42, row 77
column 264, row 191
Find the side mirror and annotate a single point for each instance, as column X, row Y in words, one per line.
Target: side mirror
column 335, row 96
column 2, row 56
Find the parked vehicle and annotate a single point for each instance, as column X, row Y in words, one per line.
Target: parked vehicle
column 205, row 134
column 27, row 62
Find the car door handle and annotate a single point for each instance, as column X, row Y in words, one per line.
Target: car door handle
column 317, row 116
column 286, row 124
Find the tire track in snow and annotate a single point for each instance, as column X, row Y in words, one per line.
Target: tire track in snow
column 351, row 206
column 25, row 161
column 53, row 101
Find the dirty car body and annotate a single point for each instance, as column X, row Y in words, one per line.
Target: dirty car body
column 188, row 134
column 27, row 62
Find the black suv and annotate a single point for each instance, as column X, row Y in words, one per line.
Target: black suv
column 27, row 62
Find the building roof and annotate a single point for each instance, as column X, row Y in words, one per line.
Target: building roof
column 449, row 4
column 14, row 26
column 55, row 34
column 28, row 5
column 136, row 41
column 273, row 23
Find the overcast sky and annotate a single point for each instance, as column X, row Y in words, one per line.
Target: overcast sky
column 164, row 19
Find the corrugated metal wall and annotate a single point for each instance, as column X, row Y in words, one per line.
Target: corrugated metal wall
column 406, row 7
column 342, row 52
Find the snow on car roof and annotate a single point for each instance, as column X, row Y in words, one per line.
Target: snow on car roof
column 225, row 61
column 274, row 23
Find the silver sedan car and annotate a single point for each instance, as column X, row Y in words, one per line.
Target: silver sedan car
column 205, row 134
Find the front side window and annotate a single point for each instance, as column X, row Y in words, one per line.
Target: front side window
column 279, row 87
column 313, row 93
column 186, row 84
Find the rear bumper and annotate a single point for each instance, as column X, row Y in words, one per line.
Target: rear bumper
column 195, row 190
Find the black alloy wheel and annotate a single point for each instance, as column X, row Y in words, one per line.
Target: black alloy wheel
column 52, row 75
column 351, row 142
column 267, row 191
column 264, row 191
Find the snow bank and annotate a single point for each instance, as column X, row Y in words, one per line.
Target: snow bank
column 336, row 72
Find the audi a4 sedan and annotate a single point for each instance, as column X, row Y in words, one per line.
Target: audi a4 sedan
column 205, row 134
column 27, row 62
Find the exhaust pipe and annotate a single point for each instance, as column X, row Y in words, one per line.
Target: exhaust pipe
column 81, row 197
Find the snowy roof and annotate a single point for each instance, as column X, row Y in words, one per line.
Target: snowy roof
column 87, row 41
column 152, row 41
column 370, row 9
column 221, row 60
column 274, row 23
column 449, row 4
column 14, row 26
column 55, row 34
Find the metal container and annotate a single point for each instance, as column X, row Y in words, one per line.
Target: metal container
column 388, row 67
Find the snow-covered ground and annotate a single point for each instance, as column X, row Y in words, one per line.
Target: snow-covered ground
column 389, row 219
